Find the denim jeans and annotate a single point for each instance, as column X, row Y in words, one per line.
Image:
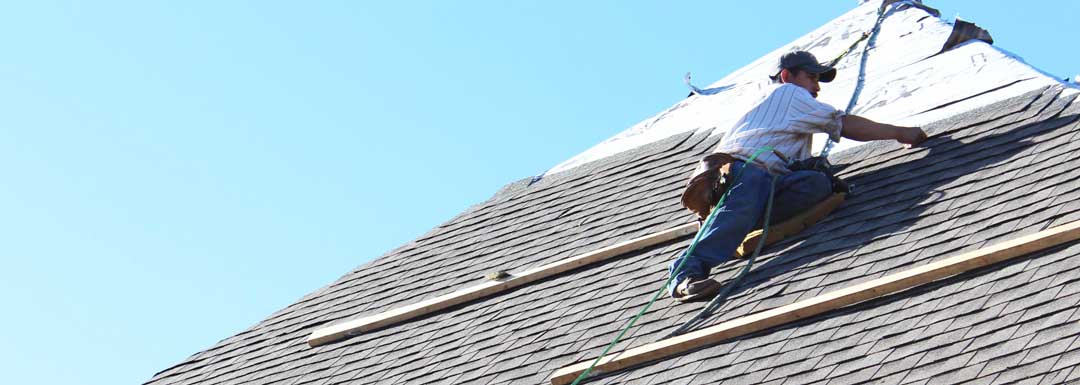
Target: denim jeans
column 744, row 211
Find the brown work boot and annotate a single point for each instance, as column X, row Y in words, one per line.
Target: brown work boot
column 693, row 289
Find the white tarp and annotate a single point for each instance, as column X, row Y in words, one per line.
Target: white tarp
column 906, row 80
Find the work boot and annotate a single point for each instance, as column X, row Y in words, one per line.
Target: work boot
column 693, row 289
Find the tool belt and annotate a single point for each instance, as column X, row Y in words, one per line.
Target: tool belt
column 710, row 180
column 707, row 184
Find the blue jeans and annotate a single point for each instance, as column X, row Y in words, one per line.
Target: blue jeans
column 743, row 211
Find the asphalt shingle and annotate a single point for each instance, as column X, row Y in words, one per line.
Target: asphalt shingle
column 983, row 177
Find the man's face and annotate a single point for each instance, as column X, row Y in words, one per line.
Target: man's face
column 806, row 80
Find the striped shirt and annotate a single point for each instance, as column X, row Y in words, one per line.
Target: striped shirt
column 785, row 117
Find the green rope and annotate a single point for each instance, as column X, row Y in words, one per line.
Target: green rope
column 722, row 295
column 682, row 260
column 832, row 63
column 861, row 80
column 871, row 36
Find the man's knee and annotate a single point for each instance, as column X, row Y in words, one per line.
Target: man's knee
column 814, row 185
column 822, row 186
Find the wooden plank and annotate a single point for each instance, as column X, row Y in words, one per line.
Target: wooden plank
column 354, row 327
column 813, row 306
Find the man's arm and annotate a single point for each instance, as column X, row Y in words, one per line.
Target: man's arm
column 863, row 129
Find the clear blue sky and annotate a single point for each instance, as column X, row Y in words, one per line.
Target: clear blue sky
column 170, row 174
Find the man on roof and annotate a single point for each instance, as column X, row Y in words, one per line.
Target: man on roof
column 784, row 118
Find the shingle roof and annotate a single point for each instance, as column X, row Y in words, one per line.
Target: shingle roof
column 990, row 174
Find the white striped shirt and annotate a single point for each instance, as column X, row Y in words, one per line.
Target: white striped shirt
column 785, row 117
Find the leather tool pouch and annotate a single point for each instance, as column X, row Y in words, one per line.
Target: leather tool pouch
column 707, row 184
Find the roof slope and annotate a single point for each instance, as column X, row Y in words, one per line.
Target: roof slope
column 989, row 174
column 972, row 184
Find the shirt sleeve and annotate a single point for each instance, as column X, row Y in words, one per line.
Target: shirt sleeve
column 806, row 114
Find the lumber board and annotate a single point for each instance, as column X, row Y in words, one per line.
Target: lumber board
column 361, row 325
column 829, row 301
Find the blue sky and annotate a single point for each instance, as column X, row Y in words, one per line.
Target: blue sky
column 173, row 173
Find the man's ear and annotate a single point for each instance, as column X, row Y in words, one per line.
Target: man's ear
column 785, row 76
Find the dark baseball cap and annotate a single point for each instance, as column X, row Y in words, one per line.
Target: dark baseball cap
column 807, row 62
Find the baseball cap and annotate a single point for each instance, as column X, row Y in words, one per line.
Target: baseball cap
column 807, row 62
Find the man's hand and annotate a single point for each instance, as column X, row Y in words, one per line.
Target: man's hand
column 910, row 136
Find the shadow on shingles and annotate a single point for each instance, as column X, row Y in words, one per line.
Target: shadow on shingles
column 903, row 186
